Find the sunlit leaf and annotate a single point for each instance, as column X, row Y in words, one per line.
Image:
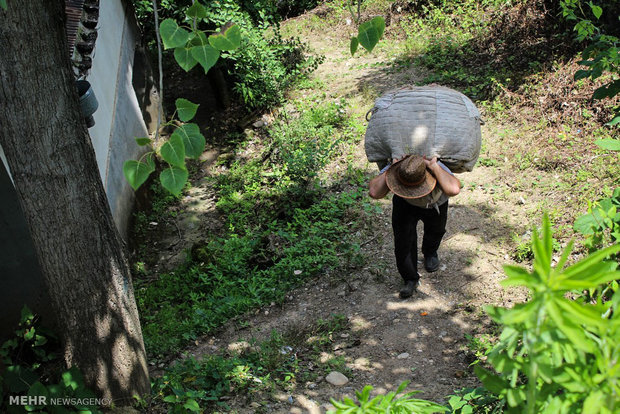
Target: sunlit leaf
column 596, row 10
column 370, row 32
column 193, row 141
column 206, row 55
column 585, row 264
column 228, row 39
column 173, row 179
column 520, row 313
column 517, row 276
column 173, row 151
column 186, row 109
column 172, row 35
column 609, row 144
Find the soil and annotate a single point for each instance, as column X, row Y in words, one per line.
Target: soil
column 389, row 340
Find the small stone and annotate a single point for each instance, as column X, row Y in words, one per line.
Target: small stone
column 336, row 378
column 311, row 385
column 254, row 405
column 297, row 272
column 521, row 200
column 290, row 399
column 396, row 320
column 404, row 355
column 341, row 293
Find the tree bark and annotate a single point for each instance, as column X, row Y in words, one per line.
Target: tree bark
column 53, row 165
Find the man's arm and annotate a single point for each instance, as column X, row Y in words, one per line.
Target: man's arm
column 449, row 184
column 378, row 186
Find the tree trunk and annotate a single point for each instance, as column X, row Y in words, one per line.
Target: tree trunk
column 54, row 169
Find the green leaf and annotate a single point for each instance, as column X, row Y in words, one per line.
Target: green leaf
column 196, row 11
column 370, row 32
column 192, row 405
column 594, row 402
column 586, row 264
column 172, row 35
column 193, row 141
column 517, row 276
column 596, row 10
column 142, row 141
column 609, row 144
column 206, row 55
column 38, row 390
column 228, row 39
column 26, row 314
column 186, row 109
column 492, row 382
column 137, row 172
column 354, row 45
column 170, row 398
column 18, row 379
column 3, row 4
column 614, row 121
column 173, row 179
column 73, row 378
column 185, row 59
column 581, row 74
column 173, row 151
column 520, row 313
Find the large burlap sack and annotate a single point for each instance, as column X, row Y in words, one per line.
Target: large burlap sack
column 431, row 120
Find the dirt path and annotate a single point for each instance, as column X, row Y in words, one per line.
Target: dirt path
column 421, row 339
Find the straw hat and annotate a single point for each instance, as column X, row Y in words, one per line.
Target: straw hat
column 409, row 178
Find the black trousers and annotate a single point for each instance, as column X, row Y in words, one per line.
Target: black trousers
column 405, row 219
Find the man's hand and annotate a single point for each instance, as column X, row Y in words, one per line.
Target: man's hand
column 430, row 163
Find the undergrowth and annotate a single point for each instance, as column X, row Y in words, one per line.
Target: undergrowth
column 283, row 226
column 282, row 361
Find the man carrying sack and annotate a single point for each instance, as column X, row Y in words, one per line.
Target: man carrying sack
column 421, row 190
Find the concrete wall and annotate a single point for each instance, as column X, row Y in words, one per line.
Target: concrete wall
column 118, row 120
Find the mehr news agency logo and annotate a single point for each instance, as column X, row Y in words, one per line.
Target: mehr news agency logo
column 42, row 400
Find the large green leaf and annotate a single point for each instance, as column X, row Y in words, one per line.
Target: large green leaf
column 137, row 172
column 3, row 4
column 186, row 109
column 609, row 144
column 173, row 151
column 172, row 35
column 183, row 56
column 370, row 32
column 518, row 276
column 193, row 140
column 173, row 179
column 492, row 382
column 228, row 39
column 206, row 55
column 196, row 11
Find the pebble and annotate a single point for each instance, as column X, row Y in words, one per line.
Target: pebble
column 254, row 405
column 336, row 378
column 404, row 355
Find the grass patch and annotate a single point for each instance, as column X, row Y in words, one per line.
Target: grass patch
column 284, row 360
column 283, row 226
